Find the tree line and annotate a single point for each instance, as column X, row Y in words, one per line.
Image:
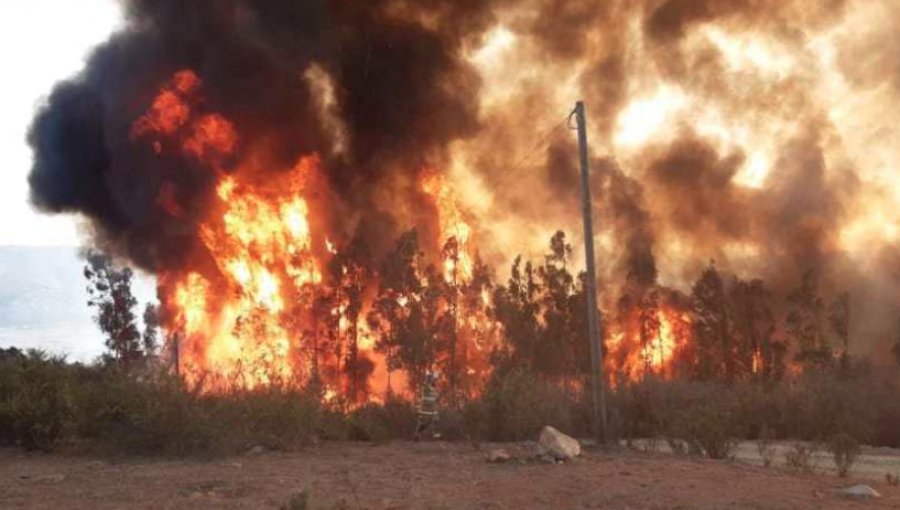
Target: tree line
column 425, row 317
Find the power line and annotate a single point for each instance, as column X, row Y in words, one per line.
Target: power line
column 542, row 142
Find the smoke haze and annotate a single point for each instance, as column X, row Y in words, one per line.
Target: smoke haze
column 759, row 134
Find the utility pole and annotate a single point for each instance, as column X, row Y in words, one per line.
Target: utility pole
column 176, row 353
column 598, row 393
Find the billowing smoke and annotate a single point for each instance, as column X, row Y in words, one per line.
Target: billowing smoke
column 756, row 133
column 400, row 88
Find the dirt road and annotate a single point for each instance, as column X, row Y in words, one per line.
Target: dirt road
column 413, row 476
column 872, row 463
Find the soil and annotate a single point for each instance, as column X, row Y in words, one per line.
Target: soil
column 419, row 475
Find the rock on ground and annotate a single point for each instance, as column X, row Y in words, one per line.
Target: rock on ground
column 859, row 492
column 498, row 455
column 559, row 445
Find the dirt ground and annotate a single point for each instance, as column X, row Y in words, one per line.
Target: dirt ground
column 412, row 476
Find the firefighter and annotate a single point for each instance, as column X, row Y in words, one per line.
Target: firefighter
column 427, row 410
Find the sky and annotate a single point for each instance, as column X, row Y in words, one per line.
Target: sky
column 41, row 43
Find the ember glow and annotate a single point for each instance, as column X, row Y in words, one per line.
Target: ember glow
column 265, row 175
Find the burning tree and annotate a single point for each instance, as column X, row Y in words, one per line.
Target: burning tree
column 348, row 273
column 263, row 175
column 804, row 323
column 839, row 319
column 478, row 331
column 650, row 329
column 552, row 353
column 542, row 313
column 650, row 333
column 759, row 352
column 517, row 308
column 398, row 317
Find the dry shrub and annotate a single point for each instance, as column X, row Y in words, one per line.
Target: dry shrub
column 651, row 445
column 640, row 409
column 279, row 418
column 48, row 404
column 801, row 458
column 516, row 404
column 712, row 429
column 678, row 446
column 855, row 399
column 844, row 450
column 396, row 419
column 116, row 413
column 765, row 445
column 693, row 417
column 704, row 416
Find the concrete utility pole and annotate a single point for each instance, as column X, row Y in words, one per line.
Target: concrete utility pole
column 595, row 336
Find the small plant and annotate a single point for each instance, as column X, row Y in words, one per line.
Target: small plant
column 678, row 446
column 297, row 501
column 801, row 458
column 766, row 446
column 710, row 429
column 844, row 449
column 651, row 444
column 893, row 480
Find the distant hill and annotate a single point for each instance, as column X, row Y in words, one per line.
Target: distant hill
column 43, row 301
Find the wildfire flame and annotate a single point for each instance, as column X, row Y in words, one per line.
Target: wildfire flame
column 247, row 319
column 458, row 258
column 646, row 340
column 246, row 314
column 236, row 314
column 246, row 187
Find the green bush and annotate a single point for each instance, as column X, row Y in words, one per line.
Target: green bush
column 119, row 413
column 35, row 408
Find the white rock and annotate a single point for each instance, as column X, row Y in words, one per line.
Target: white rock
column 559, row 445
column 256, row 450
column 859, row 492
column 498, row 455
